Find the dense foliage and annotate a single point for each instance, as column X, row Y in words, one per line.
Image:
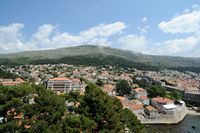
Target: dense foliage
column 157, row 90
column 123, row 88
column 99, row 82
column 176, row 95
column 30, row 108
column 5, row 74
column 44, row 114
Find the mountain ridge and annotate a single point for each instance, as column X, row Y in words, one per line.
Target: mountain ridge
column 92, row 53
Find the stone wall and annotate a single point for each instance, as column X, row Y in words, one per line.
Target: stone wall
column 178, row 115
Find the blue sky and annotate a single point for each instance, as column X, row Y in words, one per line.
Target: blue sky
column 158, row 27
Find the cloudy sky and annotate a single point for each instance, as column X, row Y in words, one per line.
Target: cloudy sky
column 158, row 27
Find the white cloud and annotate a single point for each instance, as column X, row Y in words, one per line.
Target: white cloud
column 11, row 37
column 189, row 46
column 41, row 38
column 134, row 42
column 47, row 36
column 103, row 30
column 186, row 22
column 178, row 47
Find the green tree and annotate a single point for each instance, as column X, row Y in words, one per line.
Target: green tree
column 174, row 95
column 101, row 108
column 156, row 90
column 132, row 123
column 107, row 112
column 44, row 115
column 97, row 112
column 99, row 82
column 123, row 88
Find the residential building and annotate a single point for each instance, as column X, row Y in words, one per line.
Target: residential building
column 144, row 100
column 151, row 111
column 11, row 82
column 162, row 103
column 63, row 85
column 140, row 94
column 137, row 108
column 109, row 89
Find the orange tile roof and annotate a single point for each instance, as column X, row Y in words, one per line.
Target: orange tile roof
column 107, row 90
column 108, row 85
column 57, row 79
column 27, row 126
column 121, row 98
column 150, row 108
column 10, row 83
column 162, row 100
column 143, row 97
column 136, row 106
column 139, row 89
column 75, row 80
column 19, row 116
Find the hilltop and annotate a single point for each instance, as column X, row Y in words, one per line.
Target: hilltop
column 100, row 55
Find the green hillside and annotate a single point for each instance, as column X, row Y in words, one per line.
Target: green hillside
column 98, row 55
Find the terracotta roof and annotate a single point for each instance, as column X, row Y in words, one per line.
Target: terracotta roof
column 139, row 90
column 75, row 80
column 143, row 97
column 136, row 106
column 121, row 98
column 107, row 90
column 57, row 79
column 19, row 116
column 150, row 108
column 19, row 80
column 27, row 126
column 108, row 85
column 10, row 83
column 162, row 100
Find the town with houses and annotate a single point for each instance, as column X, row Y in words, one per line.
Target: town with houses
column 63, row 78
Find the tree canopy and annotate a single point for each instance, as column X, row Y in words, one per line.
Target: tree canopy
column 156, row 90
column 31, row 108
column 123, row 88
column 6, row 74
column 99, row 82
column 174, row 95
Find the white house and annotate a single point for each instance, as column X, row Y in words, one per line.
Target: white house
column 140, row 94
column 63, row 85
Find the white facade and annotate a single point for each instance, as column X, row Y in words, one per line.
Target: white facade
column 63, row 85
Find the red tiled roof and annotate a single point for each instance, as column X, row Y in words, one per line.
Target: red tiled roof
column 143, row 97
column 75, row 80
column 107, row 90
column 139, row 89
column 10, row 83
column 57, row 79
column 120, row 98
column 162, row 100
column 19, row 116
column 150, row 108
column 136, row 106
column 107, row 85
column 27, row 126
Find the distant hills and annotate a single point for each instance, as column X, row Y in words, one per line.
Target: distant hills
column 99, row 55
